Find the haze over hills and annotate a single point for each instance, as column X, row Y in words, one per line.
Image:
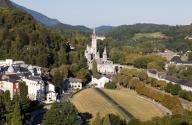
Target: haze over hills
column 38, row 16
column 104, row 29
column 56, row 24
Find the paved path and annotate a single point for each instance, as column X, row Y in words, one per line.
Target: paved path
column 127, row 114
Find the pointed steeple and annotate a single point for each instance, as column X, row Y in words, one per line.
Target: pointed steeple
column 105, row 54
column 94, row 33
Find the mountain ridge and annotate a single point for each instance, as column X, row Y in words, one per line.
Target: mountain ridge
column 38, row 16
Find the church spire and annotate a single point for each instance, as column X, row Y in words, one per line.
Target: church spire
column 94, row 34
column 105, row 54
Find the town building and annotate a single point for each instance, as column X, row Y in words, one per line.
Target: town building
column 185, row 84
column 13, row 72
column 36, row 88
column 51, row 95
column 73, row 83
column 10, row 82
column 99, row 81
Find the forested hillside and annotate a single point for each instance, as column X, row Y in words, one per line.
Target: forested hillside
column 175, row 36
column 126, row 43
column 22, row 38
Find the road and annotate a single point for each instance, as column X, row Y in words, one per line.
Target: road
column 128, row 115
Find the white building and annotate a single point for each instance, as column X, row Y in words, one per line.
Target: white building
column 36, row 88
column 104, row 65
column 99, row 81
column 185, row 85
column 9, row 62
column 75, row 84
column 51, row 95
column 35, row 70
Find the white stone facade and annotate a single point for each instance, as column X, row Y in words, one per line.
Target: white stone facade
column 51, row 95
column 99, row 82
column 104, row 65
column 75, row 83
column 36, row 88
column 158, row 76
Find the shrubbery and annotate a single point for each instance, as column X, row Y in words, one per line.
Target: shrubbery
column 150, row 61
column 171, row 102
column 110, row 85
column 185, row 119
column 109, row 119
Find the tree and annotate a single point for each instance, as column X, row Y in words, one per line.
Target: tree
column 74, row 69
column 110, row 85
column 83, row 74
column 173, row 89
column 116, row 120
column 94, row 68
column 154, row 65
column 189, row 56
column 23, row 91
column 134, row 122
column 6, row 97
column 58, row 79
column 64, row 70
column 172, row 70
column 97, row 120
column 141, row 62
column 106, row 120
column 62, row 114
column 2, row 111
column 62, row 56
column 16, row 116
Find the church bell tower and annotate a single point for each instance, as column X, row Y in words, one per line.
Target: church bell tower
column 94, row 43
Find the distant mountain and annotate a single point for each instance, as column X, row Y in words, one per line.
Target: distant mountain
column 38, row 16
column 103, row 29
column 67, row 27
column 141, row 27
column 53, row 23
column 125, row 32
column 5, row 3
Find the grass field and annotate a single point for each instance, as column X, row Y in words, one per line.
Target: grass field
column 91, row 101
column 140, row 108
column 155, row 35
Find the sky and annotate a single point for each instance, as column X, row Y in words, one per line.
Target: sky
column 93, row 13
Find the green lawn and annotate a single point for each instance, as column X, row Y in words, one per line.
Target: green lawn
column 89, row 100
column 140, row 108
column 155, row 35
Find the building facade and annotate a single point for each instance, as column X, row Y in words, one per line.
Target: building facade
column 99, row 81
column 104, row 65
column 36, row 88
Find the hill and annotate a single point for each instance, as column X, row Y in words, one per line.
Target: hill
column 66, row 27
column 5, row 3
column 53, row 23
column 23, row 38
column 135, row 105
column 85, row 102
column 38, row 16
column 127, row 31
column 103, row 29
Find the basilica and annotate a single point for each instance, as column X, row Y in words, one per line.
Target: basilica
column 104, row 66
